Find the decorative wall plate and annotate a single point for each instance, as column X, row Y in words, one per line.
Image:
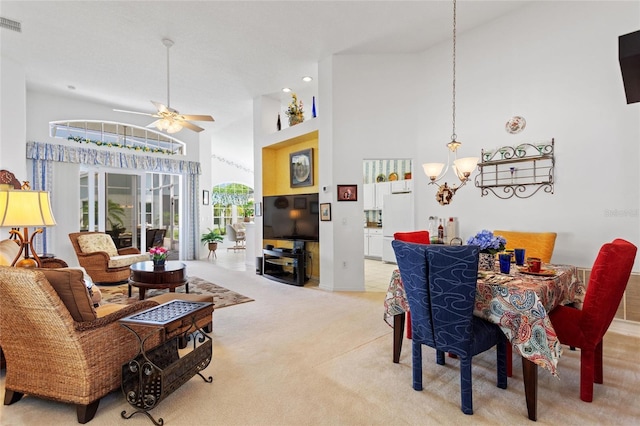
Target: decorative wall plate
column 515, row 125
column 380, row 178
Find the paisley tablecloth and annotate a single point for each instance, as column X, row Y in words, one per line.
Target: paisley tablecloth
column 519, row 304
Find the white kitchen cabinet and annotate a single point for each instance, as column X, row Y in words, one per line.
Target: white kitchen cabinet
column 369, row 196
column 373, row 195
column 373, row 242
column 399, row 186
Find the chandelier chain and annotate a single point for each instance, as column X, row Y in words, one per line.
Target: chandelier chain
column 453, row 104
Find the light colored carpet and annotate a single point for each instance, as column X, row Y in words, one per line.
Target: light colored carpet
column 222, row 297
column 304, row 356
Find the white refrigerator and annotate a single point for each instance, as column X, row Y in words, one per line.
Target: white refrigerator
column 397, row 216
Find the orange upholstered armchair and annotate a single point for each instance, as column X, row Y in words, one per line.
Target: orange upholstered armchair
column 536, row 244
column 98, row 255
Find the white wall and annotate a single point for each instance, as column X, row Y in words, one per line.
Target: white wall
column 12, row 118
column 43, row 107
column 554, row 63
column 373, row 115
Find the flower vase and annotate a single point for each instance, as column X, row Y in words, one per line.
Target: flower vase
column 159, row 263
column 295, row 119
column 486, row 262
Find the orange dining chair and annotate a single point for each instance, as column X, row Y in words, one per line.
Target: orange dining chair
column 418, row 237
column 584, row 328
column 535, row 244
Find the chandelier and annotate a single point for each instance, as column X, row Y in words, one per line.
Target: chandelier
column 463, row 167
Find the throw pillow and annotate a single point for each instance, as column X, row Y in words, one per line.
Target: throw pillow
column 92, row 243
column 70, row 286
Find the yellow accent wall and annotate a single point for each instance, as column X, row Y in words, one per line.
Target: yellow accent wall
column 276, row 181
column 275, row 165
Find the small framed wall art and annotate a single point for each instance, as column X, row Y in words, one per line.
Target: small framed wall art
column 301, row 168
column 347, row 192
column 205, row 197
column 325, row 212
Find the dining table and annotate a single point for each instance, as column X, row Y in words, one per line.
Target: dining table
column 518, row 302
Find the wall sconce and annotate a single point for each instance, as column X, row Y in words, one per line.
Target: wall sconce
column 463, row 167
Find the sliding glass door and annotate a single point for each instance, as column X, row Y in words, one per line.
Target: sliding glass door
column 137, row 210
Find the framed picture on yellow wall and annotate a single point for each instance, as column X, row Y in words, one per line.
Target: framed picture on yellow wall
column 301, row 168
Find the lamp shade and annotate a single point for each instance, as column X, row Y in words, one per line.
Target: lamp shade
column 465, row 166
column 25, row 208
column 295, row 214
column 432, row 170
column 174, row 127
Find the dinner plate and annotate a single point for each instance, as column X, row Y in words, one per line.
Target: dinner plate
column 515, row 125
column 542, row 273
column 393, row 176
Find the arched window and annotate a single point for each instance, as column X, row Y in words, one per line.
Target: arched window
column 231, row 201
column 117, row 135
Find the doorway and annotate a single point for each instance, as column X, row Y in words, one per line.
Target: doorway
column 136, row 210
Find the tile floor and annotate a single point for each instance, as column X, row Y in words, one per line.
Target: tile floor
column 376, row 272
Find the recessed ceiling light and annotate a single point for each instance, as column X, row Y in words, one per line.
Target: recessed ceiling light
column 286, row 89
column 307, row 78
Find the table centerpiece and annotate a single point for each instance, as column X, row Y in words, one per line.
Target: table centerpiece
column 489, row 245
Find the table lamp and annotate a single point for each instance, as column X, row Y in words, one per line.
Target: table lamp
column 24, row 209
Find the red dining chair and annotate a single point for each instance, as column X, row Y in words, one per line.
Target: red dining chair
column 418, row 237
column 584, row 328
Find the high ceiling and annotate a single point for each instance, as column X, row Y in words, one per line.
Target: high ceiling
column 225, row 52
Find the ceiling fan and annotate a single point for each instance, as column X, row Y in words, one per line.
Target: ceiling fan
column 169, row 119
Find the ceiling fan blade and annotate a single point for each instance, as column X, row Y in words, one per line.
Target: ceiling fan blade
column 134, row 112
column 163, row 108
column 191, row 126
column 197, row 117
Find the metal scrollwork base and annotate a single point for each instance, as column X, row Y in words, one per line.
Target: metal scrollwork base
column 154, row 374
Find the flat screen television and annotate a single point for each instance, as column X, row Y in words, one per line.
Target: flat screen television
column 291, row 217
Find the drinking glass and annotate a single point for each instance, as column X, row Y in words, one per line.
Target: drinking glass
column 505, row 263
column 519, row 256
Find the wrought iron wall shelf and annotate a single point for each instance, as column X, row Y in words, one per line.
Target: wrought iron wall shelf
column 519, row 171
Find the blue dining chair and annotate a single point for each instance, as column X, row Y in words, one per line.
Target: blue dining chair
column 440, row 283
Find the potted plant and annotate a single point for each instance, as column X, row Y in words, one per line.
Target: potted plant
column 212, row 238
column 248, row 211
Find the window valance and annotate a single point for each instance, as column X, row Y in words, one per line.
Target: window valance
column 124, row 160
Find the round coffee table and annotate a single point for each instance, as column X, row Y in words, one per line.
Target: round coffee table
column 145, row 276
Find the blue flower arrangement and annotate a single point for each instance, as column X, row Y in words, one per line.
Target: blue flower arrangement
column 487, row 242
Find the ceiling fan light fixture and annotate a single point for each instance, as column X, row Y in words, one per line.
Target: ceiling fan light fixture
column 163, row 124
column 174, row 127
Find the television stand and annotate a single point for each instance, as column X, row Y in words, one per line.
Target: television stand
column 284, row 266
